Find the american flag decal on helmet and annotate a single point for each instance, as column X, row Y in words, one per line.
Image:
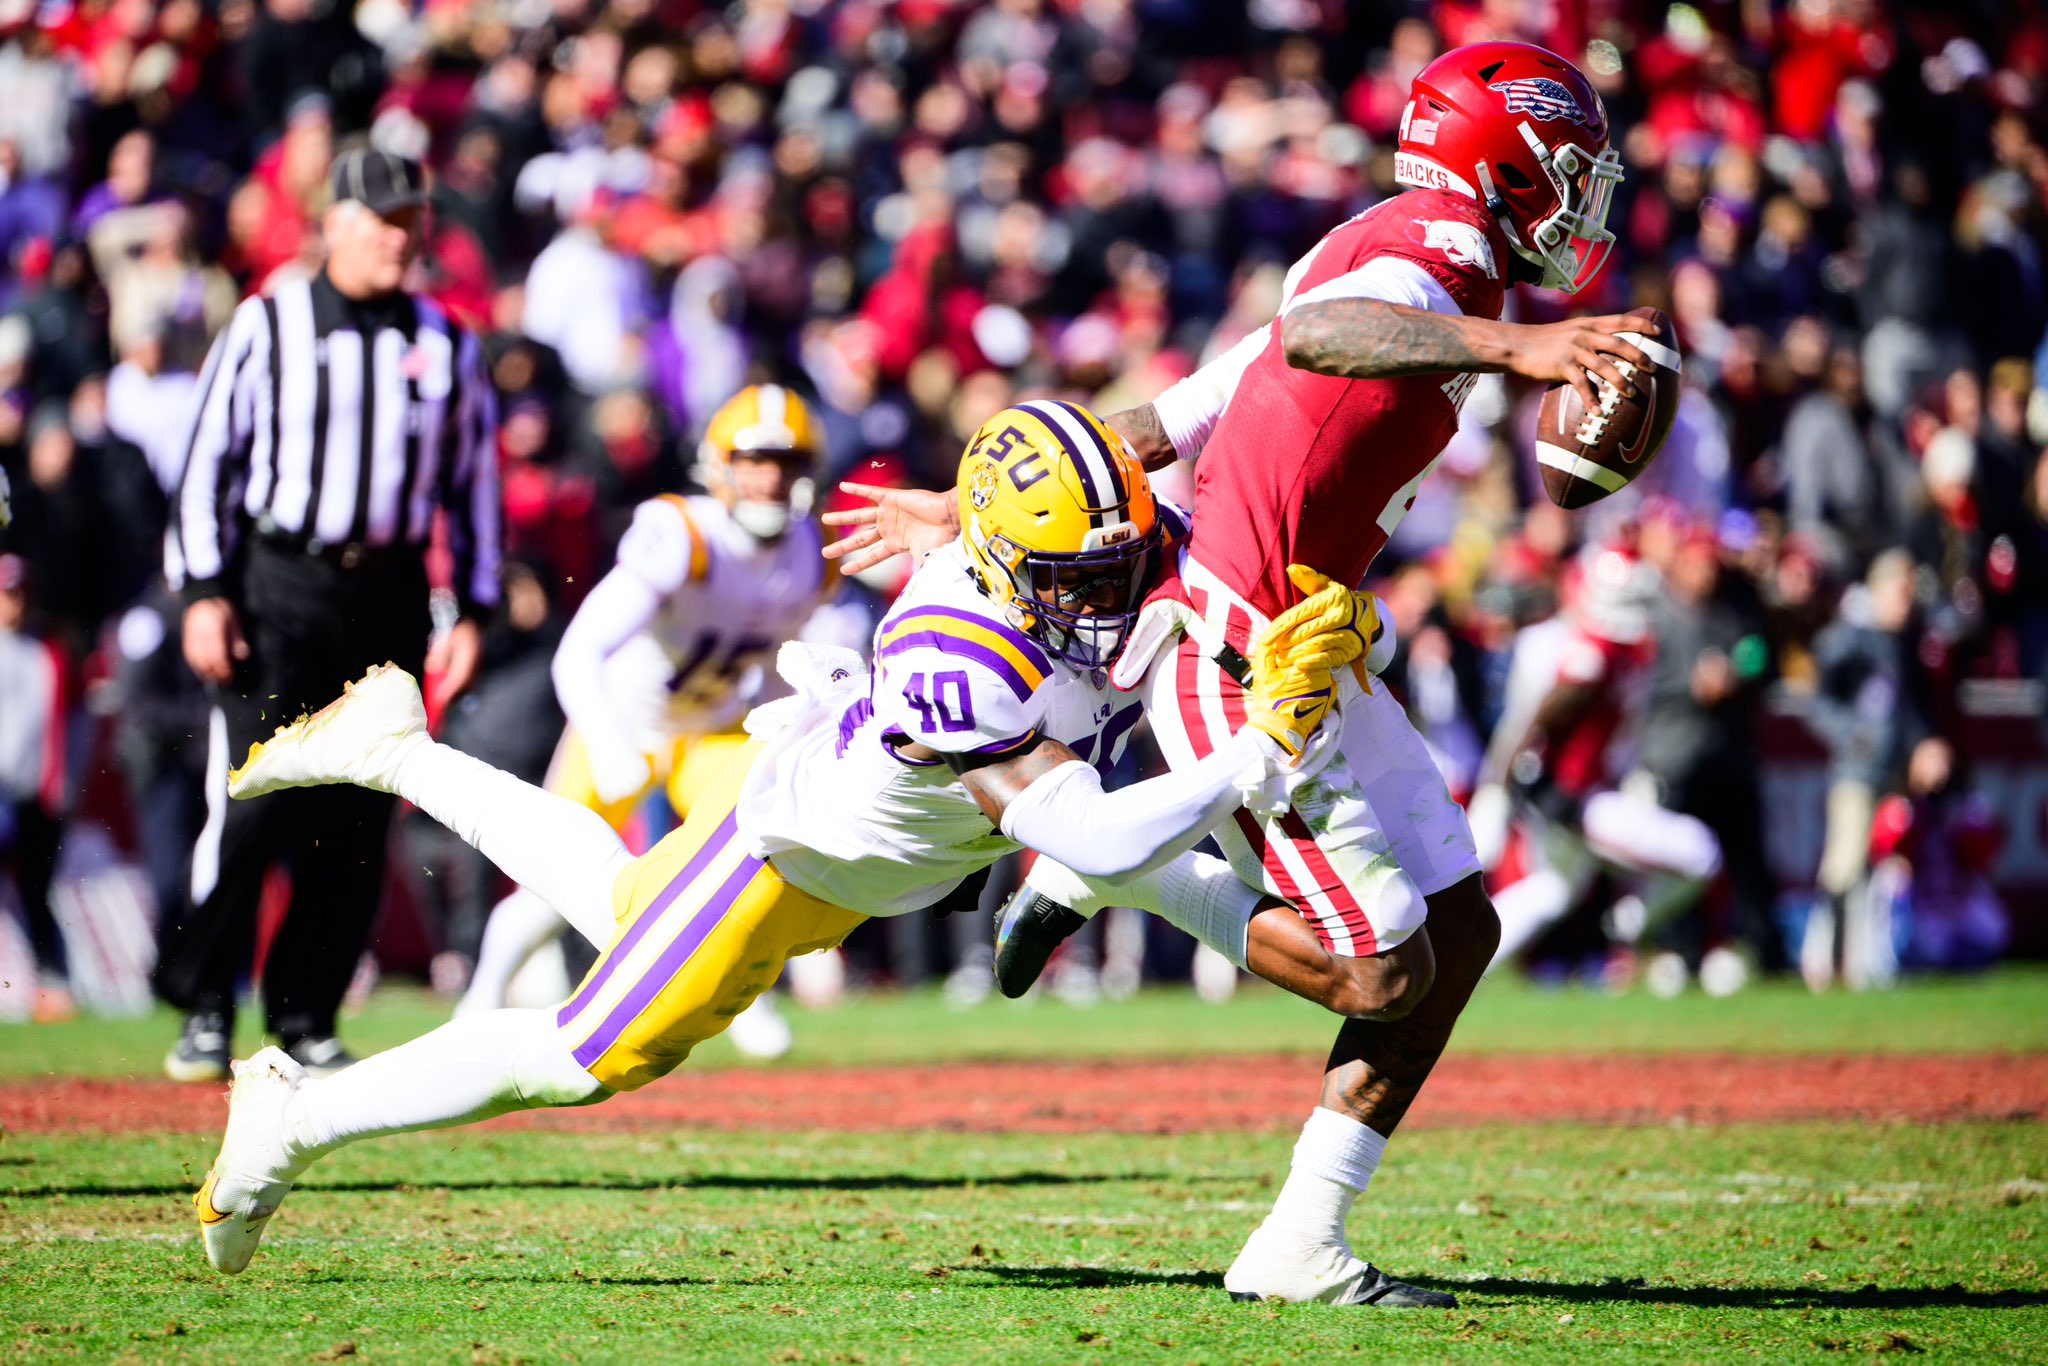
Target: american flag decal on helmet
column 1543, row 97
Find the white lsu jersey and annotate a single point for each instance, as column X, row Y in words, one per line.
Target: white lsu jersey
column 728, row 599
column 847, row 819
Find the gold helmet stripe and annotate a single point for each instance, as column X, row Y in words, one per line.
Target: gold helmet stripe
column 1047, row 433
column 1096, row 438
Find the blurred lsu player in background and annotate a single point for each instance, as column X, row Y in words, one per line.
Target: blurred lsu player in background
column 663, row 659
column 983, row 730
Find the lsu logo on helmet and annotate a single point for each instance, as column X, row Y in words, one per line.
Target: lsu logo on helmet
column 1060, row 527
column 982, row 486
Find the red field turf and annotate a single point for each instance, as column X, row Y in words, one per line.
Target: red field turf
column 1180, row 1096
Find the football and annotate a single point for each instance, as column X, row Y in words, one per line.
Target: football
column 1587, row 455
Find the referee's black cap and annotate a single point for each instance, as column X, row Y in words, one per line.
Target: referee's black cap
column 384, row 181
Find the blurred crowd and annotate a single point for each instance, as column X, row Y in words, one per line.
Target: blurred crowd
column 918, row 210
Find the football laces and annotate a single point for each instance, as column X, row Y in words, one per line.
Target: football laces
column 1593, row 426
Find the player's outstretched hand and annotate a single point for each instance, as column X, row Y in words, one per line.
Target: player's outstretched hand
column 1569, row 350
column 1288, row 702
column 915, row 520
column 618, row 774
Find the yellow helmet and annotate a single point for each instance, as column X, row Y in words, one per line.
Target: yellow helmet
column 761, row 419
column 1060, row 527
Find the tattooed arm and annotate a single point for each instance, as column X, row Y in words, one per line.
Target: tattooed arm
column 1362, row 338
column 1147, row 436
column 1177, row 424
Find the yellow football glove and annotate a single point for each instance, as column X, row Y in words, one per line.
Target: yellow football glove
column 1292, row 660
column 1288, row 703
column 1332, row 627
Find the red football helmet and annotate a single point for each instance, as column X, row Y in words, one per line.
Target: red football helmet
column 1613, row 594
column 1522, row 131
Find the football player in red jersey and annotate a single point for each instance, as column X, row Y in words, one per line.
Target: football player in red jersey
column 1584, row 684
column 1315, row 433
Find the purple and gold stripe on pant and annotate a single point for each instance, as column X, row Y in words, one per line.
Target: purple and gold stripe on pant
column 660, row 943
column 622, row 950
column 704, row 927
column 679, row 952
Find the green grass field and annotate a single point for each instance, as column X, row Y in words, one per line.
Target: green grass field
column 2007, row 1010
column 1566, row 1243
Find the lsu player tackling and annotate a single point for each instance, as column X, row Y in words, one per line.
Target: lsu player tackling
column 1314, row 435
column 977, row 734
column 662, row 659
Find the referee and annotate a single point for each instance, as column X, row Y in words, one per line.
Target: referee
column 336, row 418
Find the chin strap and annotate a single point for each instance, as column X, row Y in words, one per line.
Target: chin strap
column 1489, row 195
column 1521, row 270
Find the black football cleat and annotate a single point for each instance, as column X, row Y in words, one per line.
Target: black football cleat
column 1028, row 929
column 322, row 1055
column 1377, row 1290
column 201, row 1052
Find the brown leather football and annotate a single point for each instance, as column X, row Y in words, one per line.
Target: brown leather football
column 1587, row 455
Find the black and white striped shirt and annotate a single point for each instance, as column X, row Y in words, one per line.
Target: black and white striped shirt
column 325, row 422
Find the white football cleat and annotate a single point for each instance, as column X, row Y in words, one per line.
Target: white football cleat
column 1666, row 976
column 1276, row 1266
column 361, row 737
column 1723, row 972
column 252, row 1174
column 760, row 1032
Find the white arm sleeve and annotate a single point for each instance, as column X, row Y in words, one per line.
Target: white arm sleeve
column 622, row 603
column 1123, row 834
column 1188, row 411
column 1386, row 278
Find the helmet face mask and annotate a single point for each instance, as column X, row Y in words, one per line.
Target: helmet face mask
column 768, row 518
column 1573, row 243
column 1083, row 605
column 1523, row 132
column 1060, row 528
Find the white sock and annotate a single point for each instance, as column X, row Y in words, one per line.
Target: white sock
column 560, row 850
column 1334, row 1161
column 469, row 1069
column 519, row 927
column 1084, row 896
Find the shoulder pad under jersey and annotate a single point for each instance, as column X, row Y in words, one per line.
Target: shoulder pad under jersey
column 664, row 545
